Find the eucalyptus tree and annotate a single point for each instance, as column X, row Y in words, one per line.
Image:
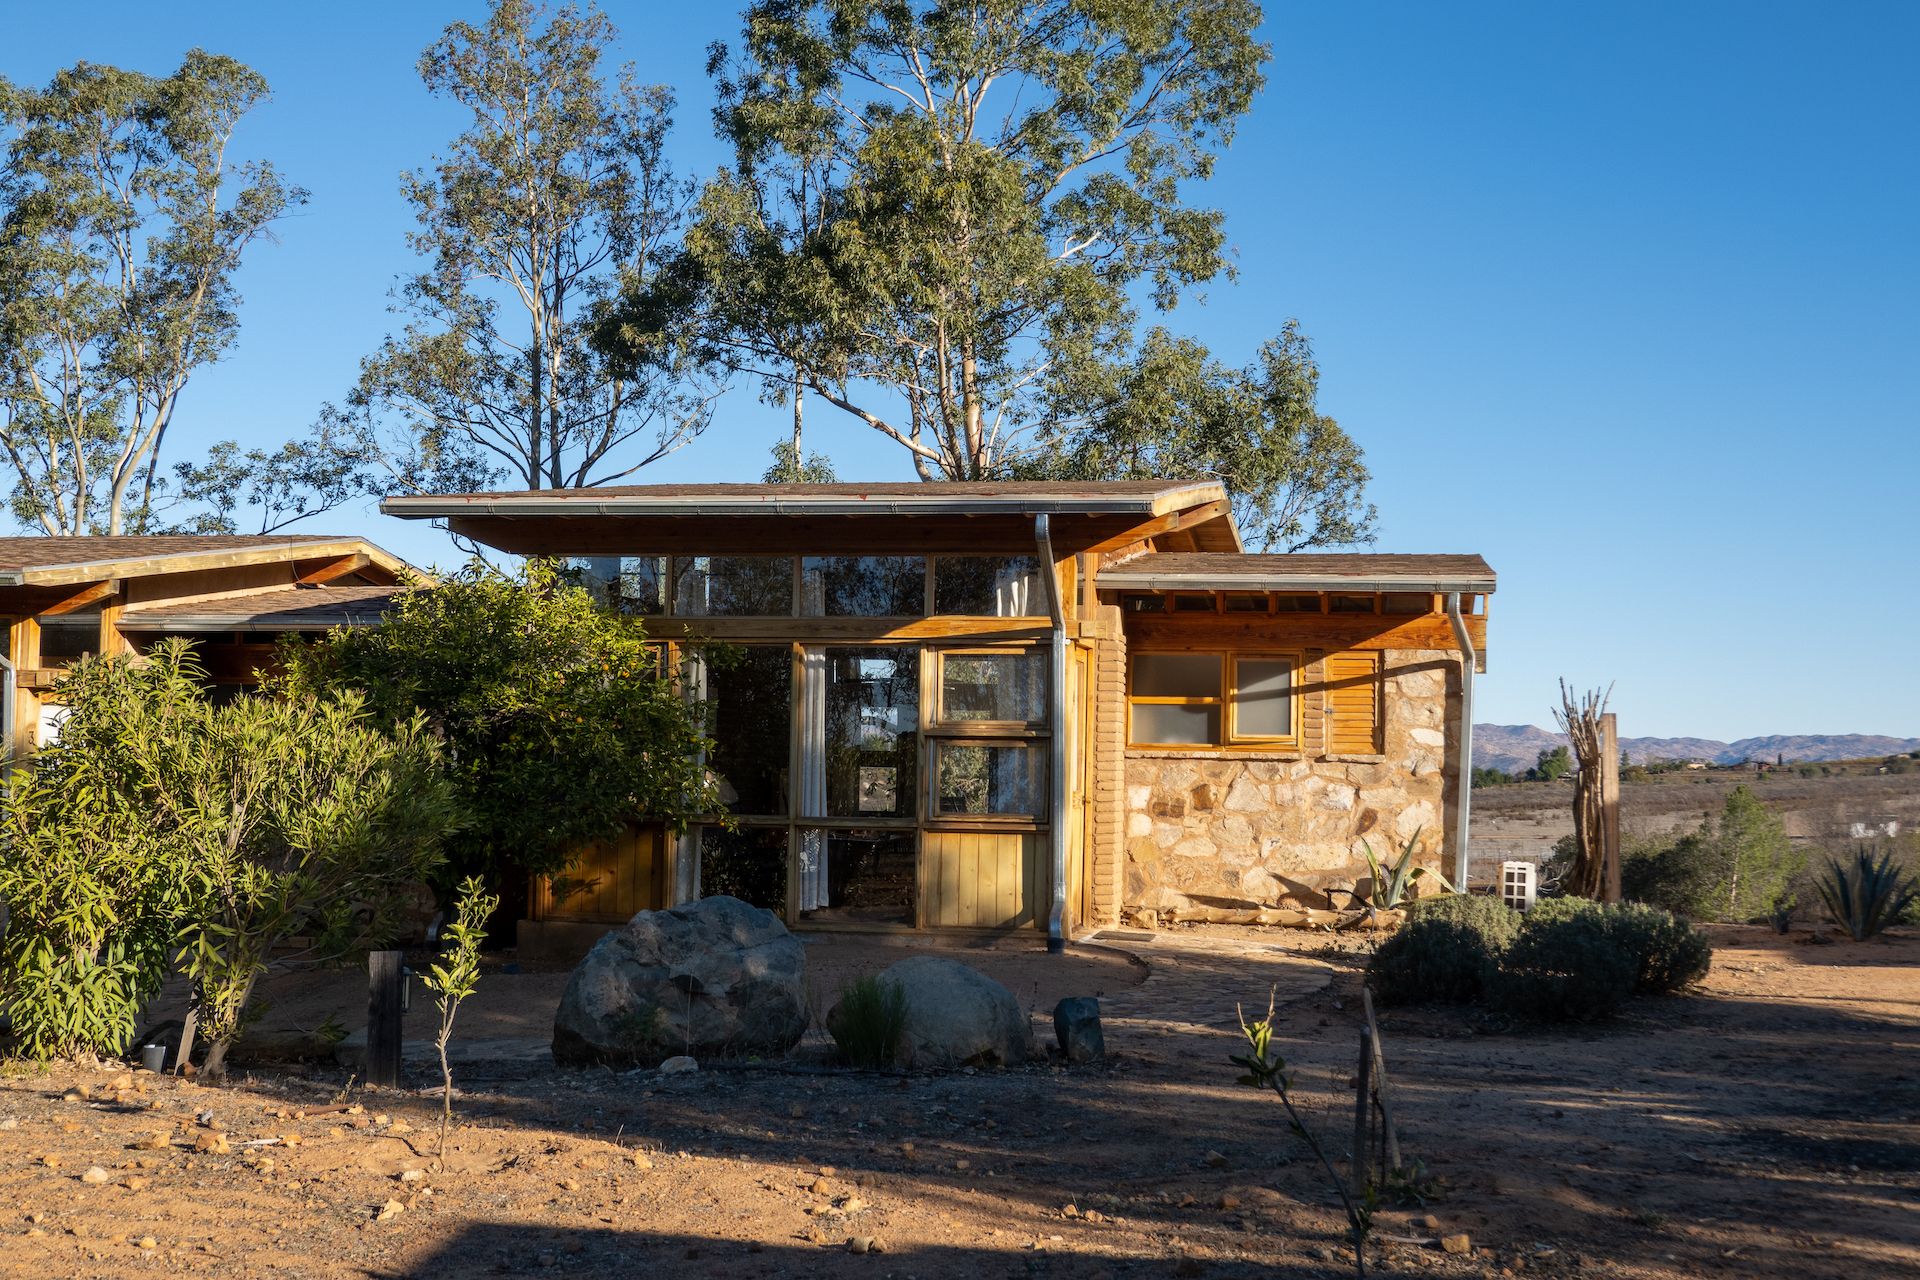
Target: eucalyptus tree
column 123, row 219
column 556, row 195
column 988, row 188
column 1296, row 478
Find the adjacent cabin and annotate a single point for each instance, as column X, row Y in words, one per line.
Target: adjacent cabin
column 65, row 598
column 1052, row 706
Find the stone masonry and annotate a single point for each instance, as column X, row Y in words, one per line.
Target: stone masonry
column 1236, row 830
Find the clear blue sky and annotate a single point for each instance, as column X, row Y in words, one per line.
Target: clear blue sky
column 1624, row 297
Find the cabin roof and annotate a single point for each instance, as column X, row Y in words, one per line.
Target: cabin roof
column 1340, row 571
column 1142, row 497
column 35, row 561
column 286, row 609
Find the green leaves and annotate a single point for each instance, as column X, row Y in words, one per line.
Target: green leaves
column 1865, row 897
column 1390, row 883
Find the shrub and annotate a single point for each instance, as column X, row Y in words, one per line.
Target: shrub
column 1732, row 869
column 1486, row 915
column 868, row 1023
column 1669, row 953
column 1868, row 896
column 1566, row 965
column 1431, row 960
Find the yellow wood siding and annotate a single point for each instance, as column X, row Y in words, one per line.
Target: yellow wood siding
column 1353, row 698
column 978, row 879
column 612, row 882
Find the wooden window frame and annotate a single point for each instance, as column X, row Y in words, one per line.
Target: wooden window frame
column 1228, row 701
column 937, row 724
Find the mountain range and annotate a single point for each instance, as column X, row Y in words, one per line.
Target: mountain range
column 1515, row 747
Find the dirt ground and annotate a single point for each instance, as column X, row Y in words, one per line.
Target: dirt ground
column 1768, row 1125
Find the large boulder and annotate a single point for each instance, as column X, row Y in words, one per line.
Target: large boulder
column 956, row 1016
column 714, row 977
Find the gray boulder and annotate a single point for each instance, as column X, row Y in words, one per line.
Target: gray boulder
column 956, row 1016
column 710, row 978
column 1076, row 1025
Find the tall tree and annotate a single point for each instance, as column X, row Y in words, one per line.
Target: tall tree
column 1168, row 409
column 556, row 195
column 122, row 223
column 993, row 186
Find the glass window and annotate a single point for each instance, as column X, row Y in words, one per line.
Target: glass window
column 989, row 778
column 748, row 863
column 1296, row 604
column 733, row 586
column 872, row 731
column 1263, row 698
column 863, row 586
column 625, row 584
column 1246, row 604
column 1176, row 723
column 989, row 586
column 1009, row 686
column 1351, row 604
column 69, row 637
column 750, row 695
column 866, row 876
column 1406, row 602
column 1193, row 604
column 1176, row 675
column 1144, row 604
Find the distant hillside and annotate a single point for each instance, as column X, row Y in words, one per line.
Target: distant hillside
column 1515, row 747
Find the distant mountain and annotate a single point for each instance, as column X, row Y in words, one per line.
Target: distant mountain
column 1515, row 747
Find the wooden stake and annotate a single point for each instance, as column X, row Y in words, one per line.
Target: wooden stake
column 1380, row 1088
column 1610, row 807
column 185, row 1051
column 383, row 1017
column 1363, row 1117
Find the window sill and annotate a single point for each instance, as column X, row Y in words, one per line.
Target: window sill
column 1216, row 753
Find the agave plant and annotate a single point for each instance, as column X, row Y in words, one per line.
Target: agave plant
column 1868, row 896
column 1390, row 884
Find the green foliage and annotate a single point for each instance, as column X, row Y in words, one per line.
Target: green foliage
column 1869, row 895
column 1431, row 959
column 1565, row 965
column 791, row 467
column 457, row 976
column 1390, row 884
column 1670, row 955
column 1488, row 776
column 265, row 819
column 1166, row 409
column 123, row 221
column 869, row 1021
column 560, row 727
column 1733, row 870
column 939, row 217
column 1485, row 914
column 1551, row 766
column 556, row 194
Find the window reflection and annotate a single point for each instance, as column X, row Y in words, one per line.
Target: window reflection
column 863, row 586
column 749, row 692
column 871, row 721
column 990, row 778
column 866, row 876
column 733, row 586
column 625, row 584
column 1009, row 686
column 749, row 863
column 989, row 586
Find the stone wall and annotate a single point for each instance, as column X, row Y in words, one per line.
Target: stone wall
column 1234, row 830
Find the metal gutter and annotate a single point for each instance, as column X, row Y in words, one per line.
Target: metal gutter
column 1057, row 740
column 1469, row 659
column 1148, row 580
column 421, row 508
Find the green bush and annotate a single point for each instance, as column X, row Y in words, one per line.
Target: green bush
column 869, row 1022
column 1566, row 965
column 1731, row 870
column 1486, row 915
column 1669, row 953
column 1431, row 959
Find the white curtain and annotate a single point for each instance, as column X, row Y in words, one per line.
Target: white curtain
column 811, row 794
column 1016, row 591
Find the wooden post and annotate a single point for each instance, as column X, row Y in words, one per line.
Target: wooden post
column 1363, row 1118
column 1380, row 1085
column 384, row 980
column 1610, row 807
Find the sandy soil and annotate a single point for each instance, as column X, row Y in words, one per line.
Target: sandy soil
column 1767, row 1126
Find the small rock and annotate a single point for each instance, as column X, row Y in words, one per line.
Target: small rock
column 1070, row 1211
column 1229, row 1201
column 1431, row 1223
column 641, row 1160
column 1076, row 1025
column 95, row 1175
column 569, row 1184
column 211, row 1143
column 1215, row 1160
column 1461, row 1244
column 400, row 1126
column 412, row 1175
column 864, row 1244
column 148, row 1242
column 135, row 1183
column 678, row 1065
column 389, row 1211
column 152, row 1142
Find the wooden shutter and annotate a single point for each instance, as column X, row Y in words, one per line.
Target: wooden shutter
column 1353, row 699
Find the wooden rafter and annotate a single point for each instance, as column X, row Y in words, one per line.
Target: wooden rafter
column 93, row 593
column 334, row 569
column 1172, row 522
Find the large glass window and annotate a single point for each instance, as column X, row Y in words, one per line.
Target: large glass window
column 626, row 584
column 989, row 586
column 733, row 586
column 870, row 716
column 1005, row 686
column 1263, row 698
column 866, row 876
column 982, row 779
column 750, row 695
column 863, row 586
column 1213, row 699
column 68, row 637
column 748, row 863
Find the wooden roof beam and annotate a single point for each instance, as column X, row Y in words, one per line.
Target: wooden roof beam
column 92, row 594
column 1172, row 522
column 332, row 570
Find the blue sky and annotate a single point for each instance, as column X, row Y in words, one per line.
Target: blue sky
column 1624, row 297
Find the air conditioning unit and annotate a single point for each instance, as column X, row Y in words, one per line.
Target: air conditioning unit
column 1518, row 884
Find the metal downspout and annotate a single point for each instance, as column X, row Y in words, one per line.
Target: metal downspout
column 1057, row 739
column 9, row 679
column 1469, row 659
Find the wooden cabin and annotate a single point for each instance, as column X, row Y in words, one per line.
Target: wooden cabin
column 1047, row 706
column 65, row 598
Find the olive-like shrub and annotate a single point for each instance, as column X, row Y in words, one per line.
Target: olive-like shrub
column 1566, row 966
column 1431, row 959
column 1495, row 921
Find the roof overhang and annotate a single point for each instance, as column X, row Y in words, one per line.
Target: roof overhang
column 76, row 571
column 934, row 502
column 1142, row 574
